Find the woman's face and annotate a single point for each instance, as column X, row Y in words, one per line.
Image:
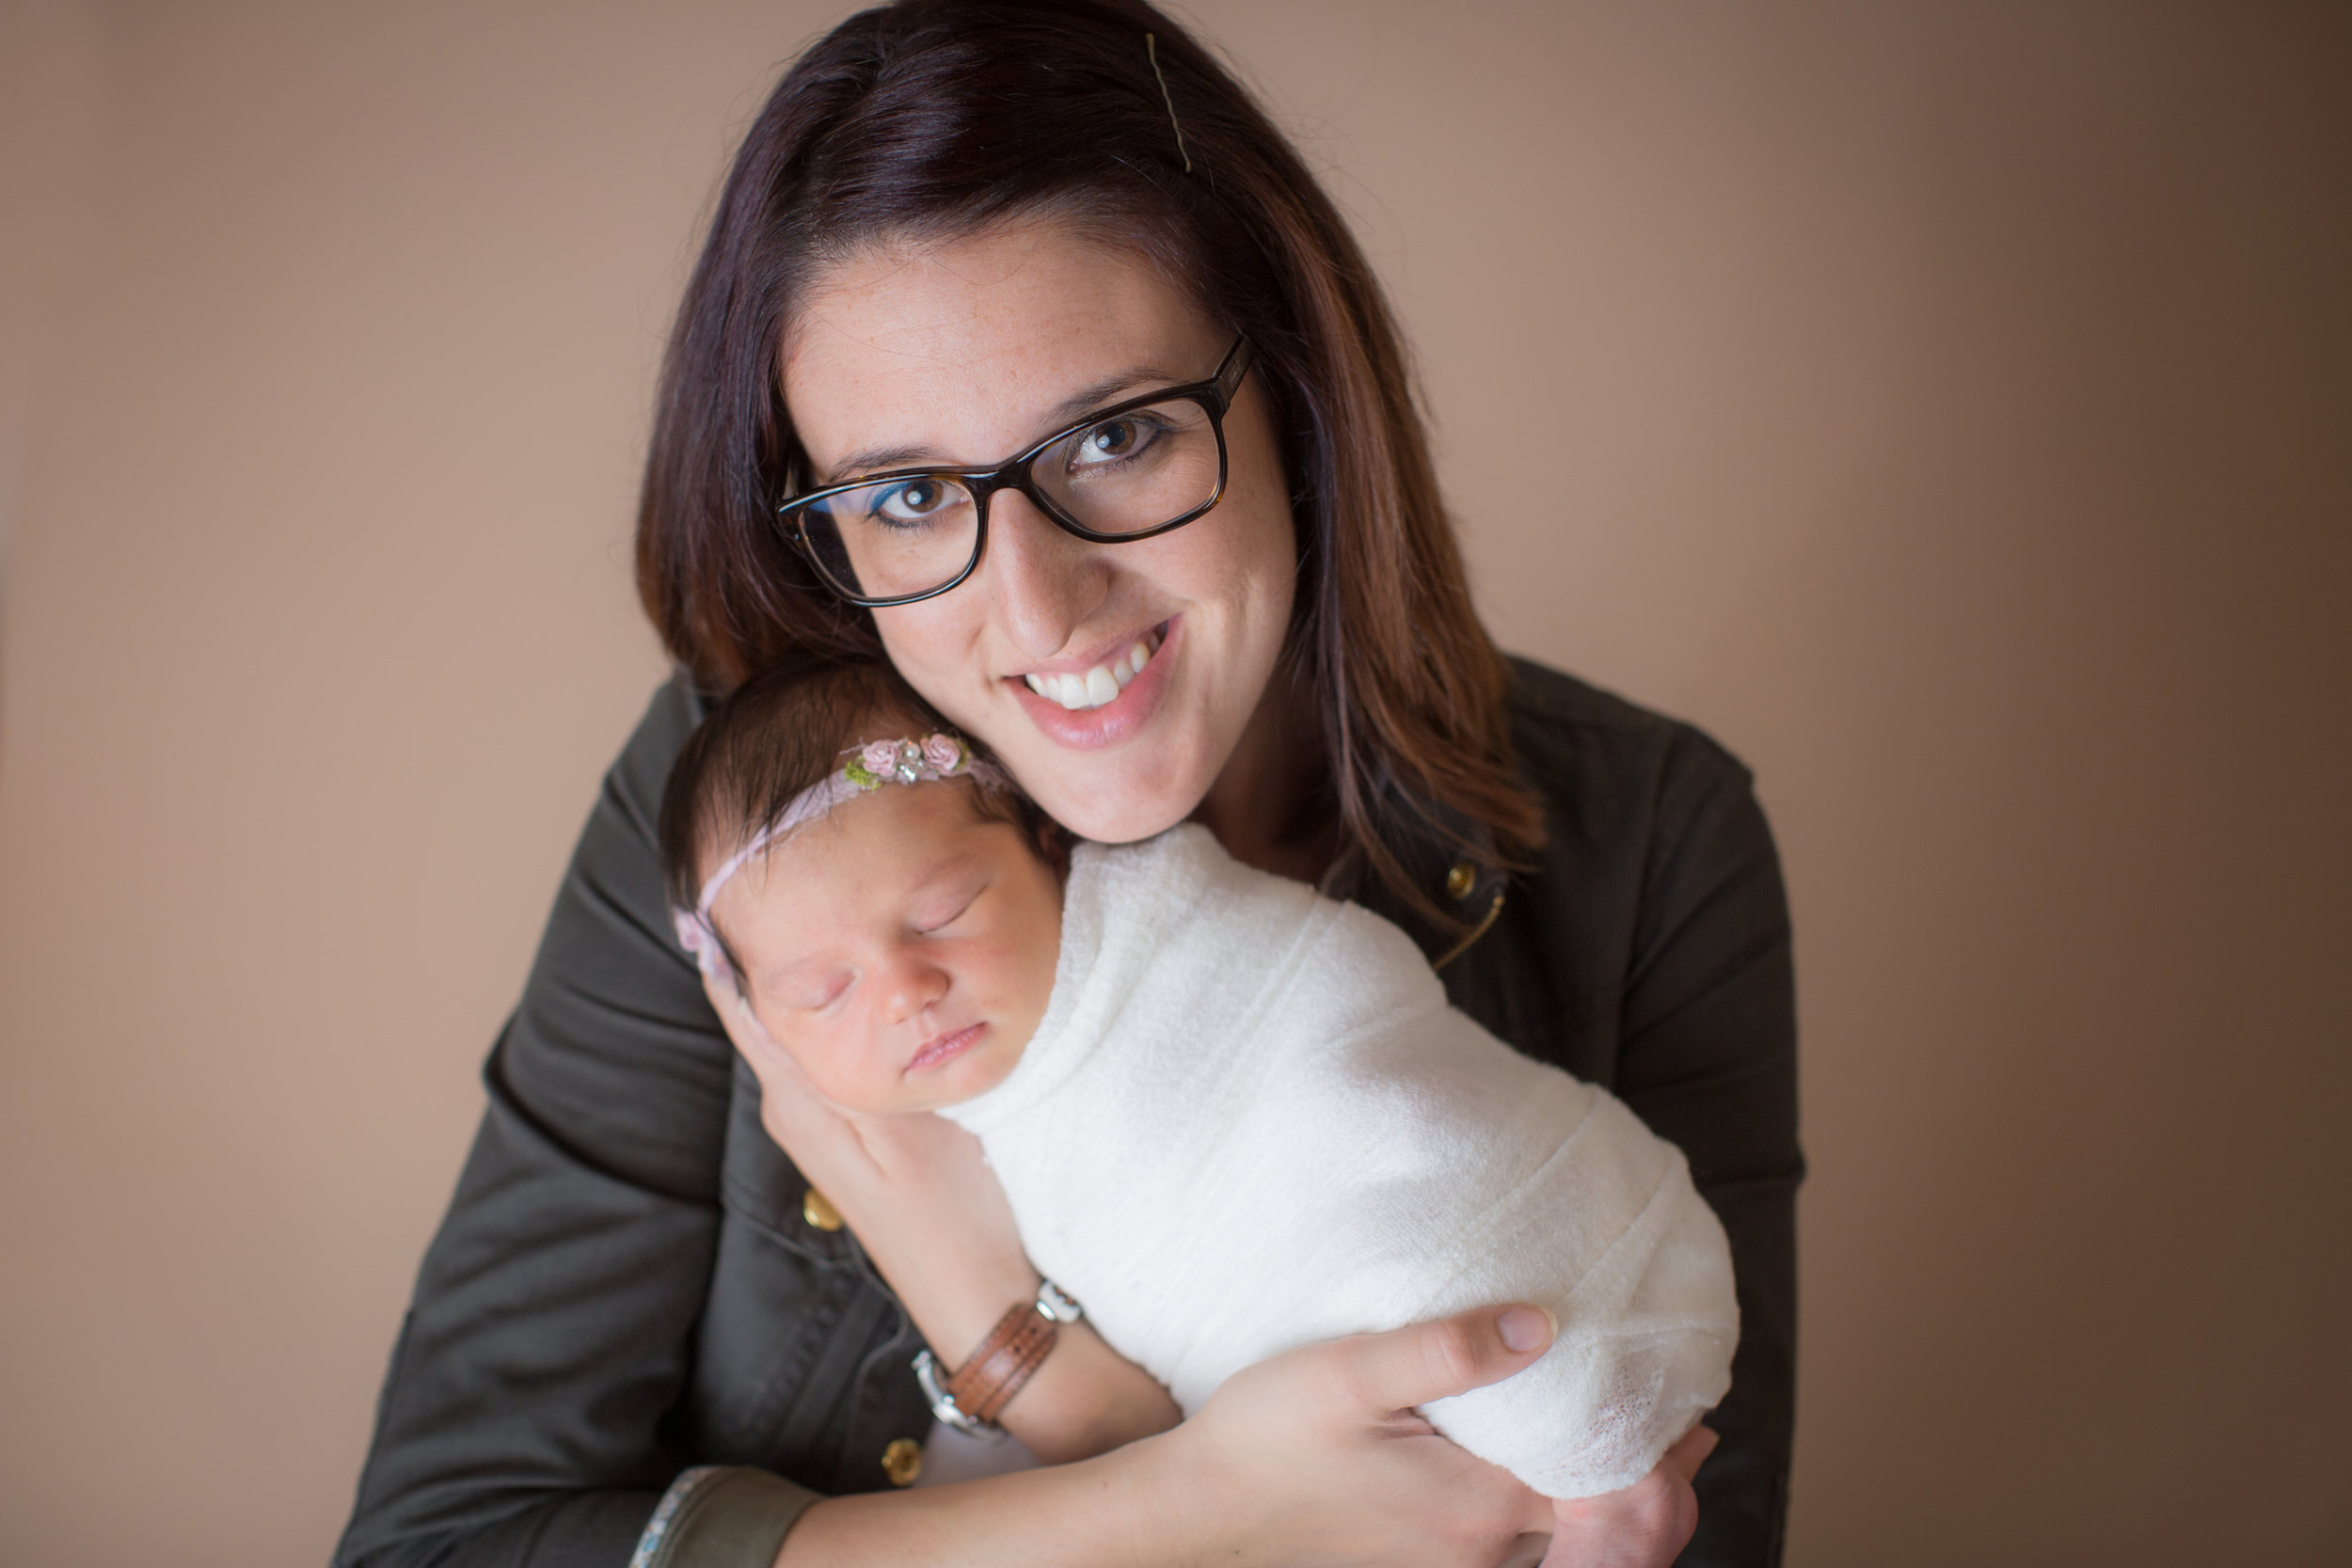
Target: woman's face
column 965, row 352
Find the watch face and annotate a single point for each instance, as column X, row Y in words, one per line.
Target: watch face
column 1055, row 1303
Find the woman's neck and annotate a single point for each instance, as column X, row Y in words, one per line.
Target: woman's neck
column 1263, row 807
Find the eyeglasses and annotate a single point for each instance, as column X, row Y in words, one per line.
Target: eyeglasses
column 1130, row 471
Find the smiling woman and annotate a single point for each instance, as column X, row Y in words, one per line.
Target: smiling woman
column 1026, row 356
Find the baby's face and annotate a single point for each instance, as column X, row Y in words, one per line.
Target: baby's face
column 900, row 948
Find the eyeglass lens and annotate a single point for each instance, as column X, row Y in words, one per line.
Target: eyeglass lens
column 1123, row 475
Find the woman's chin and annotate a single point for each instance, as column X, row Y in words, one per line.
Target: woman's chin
column 1122, row 793
column 1127, row 809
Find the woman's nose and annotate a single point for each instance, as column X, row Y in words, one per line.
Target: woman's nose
column 1042, row 583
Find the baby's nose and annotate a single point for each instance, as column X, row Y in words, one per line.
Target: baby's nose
column 916, row 982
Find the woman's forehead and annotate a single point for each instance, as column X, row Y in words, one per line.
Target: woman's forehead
column 965, row 351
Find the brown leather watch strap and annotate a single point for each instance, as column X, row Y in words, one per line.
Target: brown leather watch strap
column 991, row 1375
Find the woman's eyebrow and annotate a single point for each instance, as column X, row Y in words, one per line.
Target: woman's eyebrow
column 1086, row 398
column 1063, row 413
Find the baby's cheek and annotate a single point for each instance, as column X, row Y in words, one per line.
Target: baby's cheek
column 1024, row 988
column 830, row 1071
column 1007, row 972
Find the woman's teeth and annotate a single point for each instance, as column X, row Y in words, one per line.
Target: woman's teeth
column 1100, row 685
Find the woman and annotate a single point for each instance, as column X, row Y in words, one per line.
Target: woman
column 956, row 231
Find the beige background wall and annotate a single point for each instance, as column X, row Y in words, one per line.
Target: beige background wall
column 1948, row 406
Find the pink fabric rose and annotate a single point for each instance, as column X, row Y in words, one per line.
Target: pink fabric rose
column 941, row 753
column 880, row 756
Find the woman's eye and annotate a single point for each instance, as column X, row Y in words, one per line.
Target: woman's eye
column 1114, row 441
column 916, row 501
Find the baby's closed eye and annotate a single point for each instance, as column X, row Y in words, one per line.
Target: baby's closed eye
column 812, row 990
column 936, row 913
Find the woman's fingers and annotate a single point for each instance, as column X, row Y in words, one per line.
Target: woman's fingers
column 1691, row 1453
column 743, row 1027
column 780, row 1076
column 913, row 1187
column 1311, row 1457
column 1645, row 1526
column 1428, row 1361
column 818, row 1134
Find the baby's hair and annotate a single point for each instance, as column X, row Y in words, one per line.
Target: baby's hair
column 781, row 732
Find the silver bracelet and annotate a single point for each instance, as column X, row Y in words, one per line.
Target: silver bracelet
column 1054, row 1303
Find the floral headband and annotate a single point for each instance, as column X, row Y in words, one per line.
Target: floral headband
column 871, row 766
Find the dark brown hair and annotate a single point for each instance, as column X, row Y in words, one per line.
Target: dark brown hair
column 935, row 118
column 780, row 731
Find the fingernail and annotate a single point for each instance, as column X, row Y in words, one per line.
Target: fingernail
column 1526, row 1328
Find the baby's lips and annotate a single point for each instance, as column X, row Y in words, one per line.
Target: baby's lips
column 948, row 1043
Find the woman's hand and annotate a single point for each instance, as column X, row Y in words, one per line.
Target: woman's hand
column 1338, row 1418
column 914, row 1188
column 1317, row 1457
column 1645, row 1526
column 921, row 1200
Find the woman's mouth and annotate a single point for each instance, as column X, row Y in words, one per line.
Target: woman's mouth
column 1107, row 703
column 1100, row 686
column 954, row 1043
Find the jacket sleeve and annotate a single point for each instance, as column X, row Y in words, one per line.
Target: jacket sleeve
column 1707, row 1056
column 522, row 1419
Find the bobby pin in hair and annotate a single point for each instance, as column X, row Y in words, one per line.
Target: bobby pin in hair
column 1152, row 48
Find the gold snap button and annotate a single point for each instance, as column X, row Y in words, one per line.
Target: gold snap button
column 902, row 1461
column 818, row 1212
column 1460, row 880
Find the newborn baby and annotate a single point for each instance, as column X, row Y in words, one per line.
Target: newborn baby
column 1231, row 1116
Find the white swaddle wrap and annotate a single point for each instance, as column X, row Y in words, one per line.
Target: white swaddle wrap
column 1249, row 1121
